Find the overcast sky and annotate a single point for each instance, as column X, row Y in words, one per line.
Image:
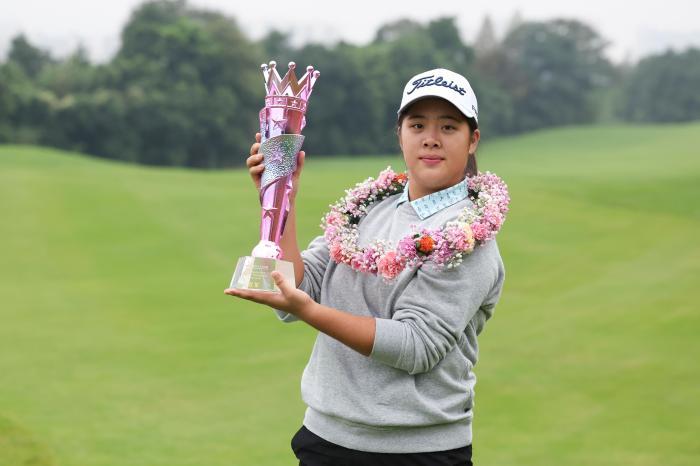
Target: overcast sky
column 634, row 28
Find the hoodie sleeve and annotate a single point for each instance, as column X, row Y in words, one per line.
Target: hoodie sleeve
column 436, row 307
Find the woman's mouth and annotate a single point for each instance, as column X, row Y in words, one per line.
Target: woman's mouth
column 431, row 159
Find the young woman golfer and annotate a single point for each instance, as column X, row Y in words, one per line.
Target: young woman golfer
column 400, row 284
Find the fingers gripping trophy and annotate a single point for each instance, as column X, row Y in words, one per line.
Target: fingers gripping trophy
column 281, row 122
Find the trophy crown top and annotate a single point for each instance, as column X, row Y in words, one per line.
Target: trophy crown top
column 289, row 85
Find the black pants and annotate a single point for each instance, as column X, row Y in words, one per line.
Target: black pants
column 312, row 450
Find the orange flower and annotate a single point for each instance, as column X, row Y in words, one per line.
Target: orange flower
column 401, row 177
column 426, row 244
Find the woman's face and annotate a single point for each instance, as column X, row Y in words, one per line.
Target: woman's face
column 435, row 139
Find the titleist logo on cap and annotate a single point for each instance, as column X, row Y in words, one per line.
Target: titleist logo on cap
column 439, row 81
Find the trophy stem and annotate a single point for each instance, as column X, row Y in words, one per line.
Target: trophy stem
column 274, row 199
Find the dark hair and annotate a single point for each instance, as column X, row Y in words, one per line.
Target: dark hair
column 471, row 169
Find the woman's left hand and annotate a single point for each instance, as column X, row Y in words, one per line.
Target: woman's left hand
column 291, row 300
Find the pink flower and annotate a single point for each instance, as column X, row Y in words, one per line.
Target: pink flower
column 334, row 218
column 390, row 265
column 369, row 259
column 458, row 238
column 385, row 179
column 495, row 220
column 442, row 252
column 481, row 231
column 336, row 252
column 407, row 247
column 331, row 233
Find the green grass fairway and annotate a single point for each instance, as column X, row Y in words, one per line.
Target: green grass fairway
column 118, row 346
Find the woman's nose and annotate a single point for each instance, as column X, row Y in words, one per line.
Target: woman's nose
column 431, row 143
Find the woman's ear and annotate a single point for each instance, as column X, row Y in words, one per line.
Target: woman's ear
column 474, row 142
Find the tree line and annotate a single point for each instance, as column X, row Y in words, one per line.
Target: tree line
column 185, row 86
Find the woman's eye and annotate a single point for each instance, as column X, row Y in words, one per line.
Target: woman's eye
column 417, row 125
column 449, row 127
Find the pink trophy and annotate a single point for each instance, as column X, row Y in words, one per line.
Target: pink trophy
column 281, row 122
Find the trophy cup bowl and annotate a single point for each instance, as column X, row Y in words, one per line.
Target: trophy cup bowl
column 281, row 122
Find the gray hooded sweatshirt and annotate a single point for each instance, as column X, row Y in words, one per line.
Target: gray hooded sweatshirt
column 415, row 392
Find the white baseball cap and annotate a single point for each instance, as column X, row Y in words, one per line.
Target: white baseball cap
column 445, row 84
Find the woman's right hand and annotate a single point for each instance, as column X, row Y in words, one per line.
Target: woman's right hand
column 256, row 166
column 255, row 162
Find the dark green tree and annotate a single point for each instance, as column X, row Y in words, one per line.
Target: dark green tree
column 550, row 70
column 191, row 85
column 29, row 58
column 663, row 88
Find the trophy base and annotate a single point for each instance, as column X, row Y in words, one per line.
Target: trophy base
column 253, row 273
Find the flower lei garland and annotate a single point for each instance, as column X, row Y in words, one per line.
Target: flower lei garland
column 445, row 247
